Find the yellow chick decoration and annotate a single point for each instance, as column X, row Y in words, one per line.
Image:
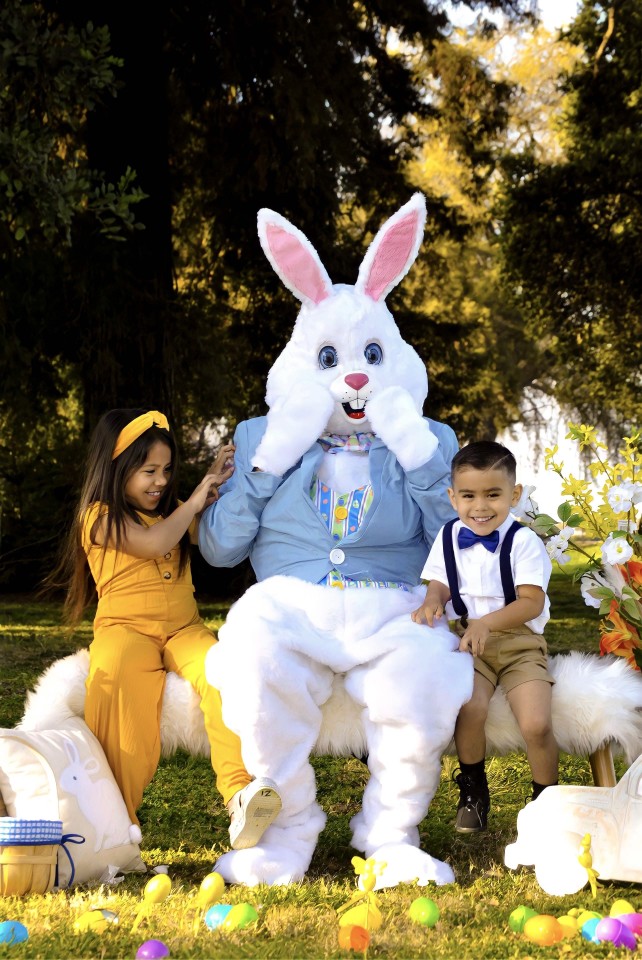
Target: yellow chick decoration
column 586, row 860
column 361, row 910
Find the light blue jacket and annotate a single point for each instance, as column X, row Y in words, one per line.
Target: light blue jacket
column 273, row 520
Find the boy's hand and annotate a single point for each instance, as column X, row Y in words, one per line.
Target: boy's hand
column 475, row 637
column 428, row 612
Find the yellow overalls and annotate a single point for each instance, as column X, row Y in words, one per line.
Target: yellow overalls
column 147, row 624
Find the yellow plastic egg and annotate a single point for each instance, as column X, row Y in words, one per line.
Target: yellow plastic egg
column 569, row 926
column 95, row 921
column 621, row 906
column 363, row 915
column 543, row 930
column 158, row 888
column 211, row 889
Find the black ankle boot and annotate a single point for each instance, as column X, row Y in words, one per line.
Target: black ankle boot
column 474, row 803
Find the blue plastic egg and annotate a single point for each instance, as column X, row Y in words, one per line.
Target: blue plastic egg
column 216, row 914
column 11, row 931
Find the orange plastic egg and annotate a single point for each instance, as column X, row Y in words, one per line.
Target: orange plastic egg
column 353, row 937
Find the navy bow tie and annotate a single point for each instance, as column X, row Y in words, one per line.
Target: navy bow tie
column 466, row 538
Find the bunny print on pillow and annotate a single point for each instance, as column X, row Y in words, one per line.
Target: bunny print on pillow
column 336, row 498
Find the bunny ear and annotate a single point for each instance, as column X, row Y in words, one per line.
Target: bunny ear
column 394, row 249
column 71, row 750
column 293, row 258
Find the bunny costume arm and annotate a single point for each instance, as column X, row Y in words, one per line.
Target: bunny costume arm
column 274, row 522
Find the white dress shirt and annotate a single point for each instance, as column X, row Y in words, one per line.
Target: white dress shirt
column 480, row 582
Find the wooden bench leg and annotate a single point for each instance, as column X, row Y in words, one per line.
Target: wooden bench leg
column 602, row 767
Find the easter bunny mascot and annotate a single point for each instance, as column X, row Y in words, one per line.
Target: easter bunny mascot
column 342, row 486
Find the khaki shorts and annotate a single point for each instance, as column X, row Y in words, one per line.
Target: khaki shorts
column 512, row 657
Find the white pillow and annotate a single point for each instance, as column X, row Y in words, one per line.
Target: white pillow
column 63, row 775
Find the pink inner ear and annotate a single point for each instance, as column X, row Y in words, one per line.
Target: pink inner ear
column 391, row 256
column 296, row 264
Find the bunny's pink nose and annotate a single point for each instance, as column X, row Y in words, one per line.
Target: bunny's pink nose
column 356, row 380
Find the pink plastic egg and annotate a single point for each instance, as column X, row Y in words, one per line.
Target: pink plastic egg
column 633, row 921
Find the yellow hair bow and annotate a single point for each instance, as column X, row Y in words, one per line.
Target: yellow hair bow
column 137, row 427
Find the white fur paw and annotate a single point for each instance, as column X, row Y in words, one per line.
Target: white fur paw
column 407, row 864
column 395, row 418
column 273, row 866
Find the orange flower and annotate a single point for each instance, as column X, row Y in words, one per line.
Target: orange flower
column 632, row 573
column 618, row 636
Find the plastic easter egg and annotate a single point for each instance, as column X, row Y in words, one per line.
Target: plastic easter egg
column 353, row 937
column 363, row 915
column 569, row 926
column 157, row 889
column 152, row 950
column 211, row 889
column 543, row 929
column 588, row 929
column 215, row 916
column 621, row 906
column 519, row 916
column 95, row 921
column 240, row 916
column 425, row 911
column 615, row 932
column 11, row 931
column 584, row 915
column 633, row 921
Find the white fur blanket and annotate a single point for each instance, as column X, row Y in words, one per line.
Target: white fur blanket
column 596, row 700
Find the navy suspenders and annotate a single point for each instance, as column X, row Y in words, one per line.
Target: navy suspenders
column 504, row 568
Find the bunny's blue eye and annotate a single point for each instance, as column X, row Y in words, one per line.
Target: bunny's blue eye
column 373, row 353
column 328, row 357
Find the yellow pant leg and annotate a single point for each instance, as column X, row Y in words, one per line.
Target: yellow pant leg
column 124, row 695
column 185, row 654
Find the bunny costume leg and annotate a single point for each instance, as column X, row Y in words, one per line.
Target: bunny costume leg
column 278, row 653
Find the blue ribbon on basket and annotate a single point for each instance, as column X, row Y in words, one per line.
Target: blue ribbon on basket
column 65, row 839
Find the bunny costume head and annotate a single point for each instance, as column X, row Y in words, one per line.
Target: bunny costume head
column 300, row 663
column 345, row 337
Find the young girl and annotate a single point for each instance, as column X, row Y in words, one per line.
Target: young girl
column 131, row 541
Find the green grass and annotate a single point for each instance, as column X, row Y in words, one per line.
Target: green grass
column 185, row 826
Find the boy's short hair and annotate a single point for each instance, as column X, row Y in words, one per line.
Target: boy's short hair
column 485, row 455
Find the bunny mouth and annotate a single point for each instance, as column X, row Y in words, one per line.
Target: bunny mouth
column 355, row 409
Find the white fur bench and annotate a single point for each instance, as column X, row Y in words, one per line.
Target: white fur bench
column 597, row 712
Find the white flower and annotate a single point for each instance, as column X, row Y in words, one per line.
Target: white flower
column 622, row 497
column 566, row 533
column 616, row 550
column 526, row 509
column 556, row 548
column 588, row 583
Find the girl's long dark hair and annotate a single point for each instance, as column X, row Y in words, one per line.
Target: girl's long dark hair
column 104, row 482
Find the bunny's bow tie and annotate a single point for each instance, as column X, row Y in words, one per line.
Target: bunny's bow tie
column 354, row 442
column 466, row 538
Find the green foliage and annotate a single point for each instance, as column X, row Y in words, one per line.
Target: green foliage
column 51, row 76
column 573, row 228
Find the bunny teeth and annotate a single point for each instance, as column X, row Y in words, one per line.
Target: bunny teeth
column 355, row 409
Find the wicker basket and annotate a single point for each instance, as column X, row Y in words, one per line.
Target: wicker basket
column 28, row 855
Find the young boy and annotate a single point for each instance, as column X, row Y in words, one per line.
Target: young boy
column 500, row 618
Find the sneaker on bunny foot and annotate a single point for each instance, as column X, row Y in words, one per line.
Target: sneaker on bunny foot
column 252, row 810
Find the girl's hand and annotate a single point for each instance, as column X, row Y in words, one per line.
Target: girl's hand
column 222, row 468
column 204, row 494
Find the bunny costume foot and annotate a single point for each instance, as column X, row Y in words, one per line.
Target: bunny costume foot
column 336, row 498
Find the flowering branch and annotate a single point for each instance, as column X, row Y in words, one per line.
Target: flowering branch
column 611, row 580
